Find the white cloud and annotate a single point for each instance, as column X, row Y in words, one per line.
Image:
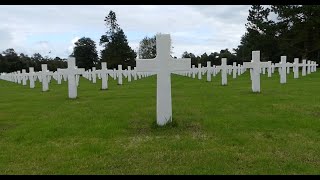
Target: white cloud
column 197, row 29
column 70, row 48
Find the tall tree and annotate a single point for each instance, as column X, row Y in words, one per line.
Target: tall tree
column 116, row 48
column 260, row 35
column 85, row 53
column 298, row 30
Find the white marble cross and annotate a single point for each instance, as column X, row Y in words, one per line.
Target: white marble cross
column 194, row 71
column 115, row 73
column 163, row 65
column 263, row 70
column 72, row 71
column 303, row 65
column 135, row 77
column 32, row 77
column 209, row 71
column 58, row 76
column 283, row 66
column 89, row 75
column 234, row 69
column 19, row 77
column 269, row 69
column 308, row 67
column 24, row 77
column 256, row 66
column 119, row 74
column 199, row 71
column 296, row 68
column 129, row 73
column 224, row 69
column 288, row 67
column 94, row 75
column 104, row 72
column 44, row 77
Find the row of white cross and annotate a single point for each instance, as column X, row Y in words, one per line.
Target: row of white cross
column 162, row 66
column 72, row 75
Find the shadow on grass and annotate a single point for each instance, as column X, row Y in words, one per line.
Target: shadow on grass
column 169, row 125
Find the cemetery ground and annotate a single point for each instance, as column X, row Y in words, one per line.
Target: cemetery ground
column 216, row 129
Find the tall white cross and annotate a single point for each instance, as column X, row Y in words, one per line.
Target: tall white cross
column 256, row 66
column 224, row 68
column 209, row 71
column 194, row 71
column 269, row 69
column 199, row 71
column 135, row 77
column 163, row 65
column 288, row 67
column 283, row 74
column 296, row 68
column 24, row 77
column 32, row 77
column 19, row 77
column 119, row 74
column 309, row 67
column 304, row 65
column 104, row 73
column 72, row 71
column 93, row 74
column 44, row 77
column 129, row 73
column 114, row 73
column 234, row 70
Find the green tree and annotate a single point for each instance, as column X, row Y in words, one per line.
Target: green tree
column 85, row 53
column 298, row 30
column 260, row 35
column 116, row 48
column 147, row 48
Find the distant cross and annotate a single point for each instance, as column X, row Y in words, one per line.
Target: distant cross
column 309, row 67
column 32, row 77
column 194, row 71
column 283, row 66
column 135, row 77
column 94, row 75
column 296, row 68
column 24, row 77
column 114, row 73
column 163, row 65
column 234, row 70
column 288, row 67
column 72, row 71
column 199, row 71
column 44, row 77
column 269, row 69
column 256, row 66
column 303, row 65
column 19, row 77
column 224, row 68
column 209, row 71
column 129, row 73
column 104, row 73
column 119, row 74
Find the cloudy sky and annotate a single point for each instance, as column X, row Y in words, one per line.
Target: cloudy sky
column 198, row 29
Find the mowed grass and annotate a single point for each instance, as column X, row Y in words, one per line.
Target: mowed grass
column 216, row 129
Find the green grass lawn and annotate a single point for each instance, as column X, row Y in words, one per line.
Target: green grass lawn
column 215, row 130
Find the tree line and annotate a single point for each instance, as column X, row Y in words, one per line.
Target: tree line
column 276, row 30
